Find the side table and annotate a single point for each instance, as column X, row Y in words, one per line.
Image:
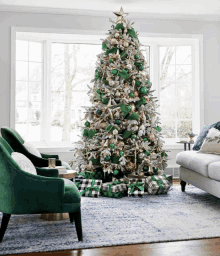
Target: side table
column 67, row 174
column 185, row 143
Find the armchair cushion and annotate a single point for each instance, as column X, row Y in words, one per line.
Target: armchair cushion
column 23, row 162
column 30, row 148
column 71, row 193
column 47, row 172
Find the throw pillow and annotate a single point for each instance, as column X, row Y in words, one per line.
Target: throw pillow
column 31, row 149
column 205, row 129
column 211, row 143
column 23, row 162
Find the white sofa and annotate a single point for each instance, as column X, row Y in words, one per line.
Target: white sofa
column 201, row 170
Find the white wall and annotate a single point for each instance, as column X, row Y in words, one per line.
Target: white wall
column 211, row 53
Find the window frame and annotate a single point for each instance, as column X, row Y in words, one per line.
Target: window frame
column 146, row 39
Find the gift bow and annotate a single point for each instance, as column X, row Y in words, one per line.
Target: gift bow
column 138, row 185
column 90, row 189
column 159, row 182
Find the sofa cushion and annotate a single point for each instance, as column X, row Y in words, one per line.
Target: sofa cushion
column 195, row 161
column 71, row 193
column 214, row 170
column 205, row 129
column 211, row 143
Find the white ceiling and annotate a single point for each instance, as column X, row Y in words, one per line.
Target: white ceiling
column 208, row 8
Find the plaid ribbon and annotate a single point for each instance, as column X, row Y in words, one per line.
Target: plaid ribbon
column 90, row 189
column 133, row 186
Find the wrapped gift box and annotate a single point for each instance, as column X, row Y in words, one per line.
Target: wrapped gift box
column 157, row 184
column 136, row 187
column 90, row 187
column 116, row 189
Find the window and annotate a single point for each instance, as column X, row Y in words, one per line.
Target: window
column 53, row 72
column 176, row 90
column 28, row 100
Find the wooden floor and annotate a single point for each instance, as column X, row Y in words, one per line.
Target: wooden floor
column 200, row 247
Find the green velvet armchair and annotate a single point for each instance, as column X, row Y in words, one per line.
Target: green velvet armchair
column 25, row 193
column 16, row 142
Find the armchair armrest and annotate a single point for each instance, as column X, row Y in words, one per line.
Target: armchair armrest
column 40, row 162
column 47, row 172
column 49, row 156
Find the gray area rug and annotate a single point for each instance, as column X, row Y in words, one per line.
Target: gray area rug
column 176, row 216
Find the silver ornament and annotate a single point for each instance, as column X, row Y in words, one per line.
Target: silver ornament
column 114, row 41
column 117, row 94
column 129, row 66
column 125, row 44
column 117, row 34
column 115, row 132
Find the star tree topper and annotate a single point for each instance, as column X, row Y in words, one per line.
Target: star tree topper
column 120, row 15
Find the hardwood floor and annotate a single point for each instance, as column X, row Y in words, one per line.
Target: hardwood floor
column 200, row 247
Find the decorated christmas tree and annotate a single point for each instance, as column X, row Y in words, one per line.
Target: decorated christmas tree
column 122, row 132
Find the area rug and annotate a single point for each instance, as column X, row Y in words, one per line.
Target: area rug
column 106, row 221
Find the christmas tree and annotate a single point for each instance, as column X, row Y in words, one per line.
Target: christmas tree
column 122, row 132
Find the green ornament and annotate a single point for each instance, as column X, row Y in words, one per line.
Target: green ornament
column 163, row 154
column 114, row 71
column 155, row 169
column 148, row 82
column 101, row 61
column 133, row 136
column 158, row 128
column 98, row 112
column 141, row 68
column 137, row 56
column 143, row 90
column 115, row 172
column 98, row 91
column 147, row 153
column 147, row 117
column 107, row 158
column 105, row 101
column 97, row 76
column 118, row 121
column 112, row 145
column 105, row 81
column 120, row 37
column 138, row 83
column 146, row 168
column 87, row 124
column 121, row 153
column 129, row 107
column 145, row 139
column 131, row 94
column 111, row 60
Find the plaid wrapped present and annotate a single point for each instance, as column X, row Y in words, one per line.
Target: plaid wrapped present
column 116, row 189
column 79, row 177
column 136, row 188
column 157, row 184
column 90, row 187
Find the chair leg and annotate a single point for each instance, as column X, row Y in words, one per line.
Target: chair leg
column 5, row 220
column 76, row 216
column 183, row 185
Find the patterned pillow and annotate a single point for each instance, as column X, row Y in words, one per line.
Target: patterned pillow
column 211, row 143
column 23, row 162
column 203, row 134
column 31, row 149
